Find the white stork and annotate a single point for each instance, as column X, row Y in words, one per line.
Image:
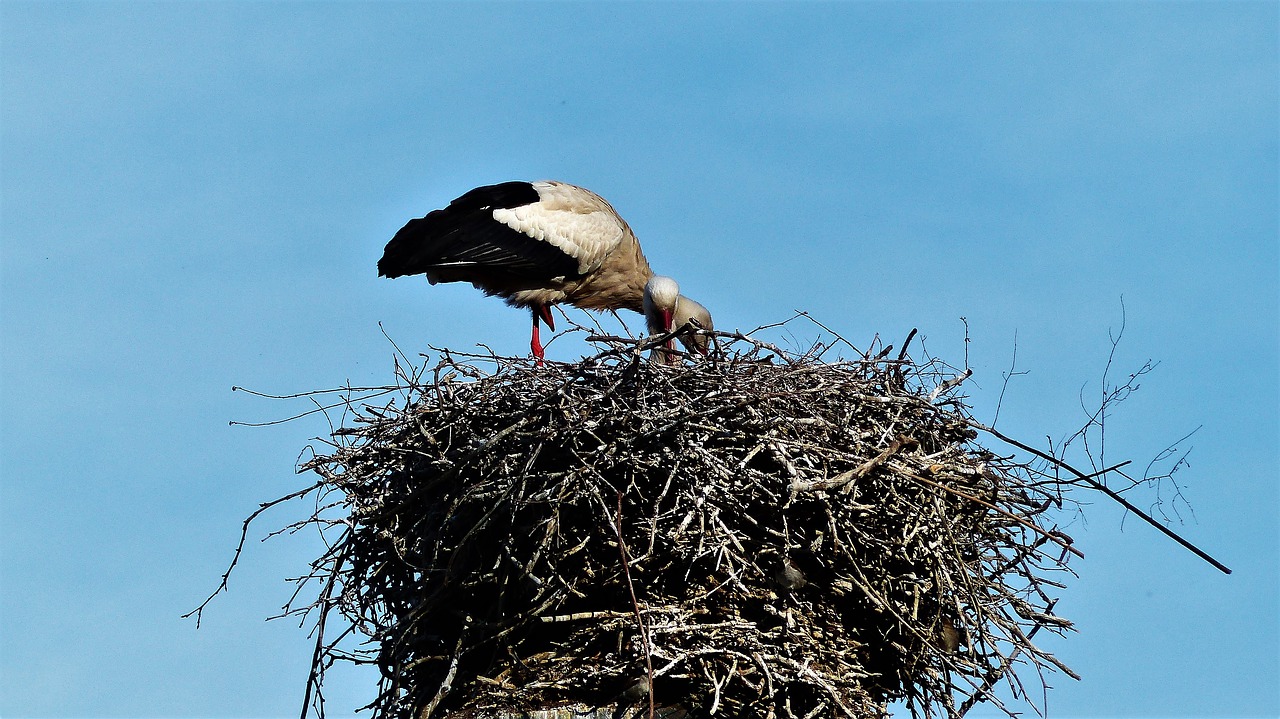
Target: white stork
column 537, row 244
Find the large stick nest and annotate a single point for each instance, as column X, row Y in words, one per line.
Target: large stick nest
column 800, row 537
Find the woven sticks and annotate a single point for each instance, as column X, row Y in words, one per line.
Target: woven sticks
column 803, row 537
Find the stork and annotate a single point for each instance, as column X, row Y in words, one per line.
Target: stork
column 537, row 244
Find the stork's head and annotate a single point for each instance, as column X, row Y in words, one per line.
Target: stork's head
column 661, row 296
column 665, row 309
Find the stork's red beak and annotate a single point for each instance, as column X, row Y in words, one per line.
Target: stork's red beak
column 670, row 344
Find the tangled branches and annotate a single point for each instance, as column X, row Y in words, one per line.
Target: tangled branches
column 757, row 534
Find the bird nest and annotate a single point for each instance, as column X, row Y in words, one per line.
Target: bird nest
column 758, row 533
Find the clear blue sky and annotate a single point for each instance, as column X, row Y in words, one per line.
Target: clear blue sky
column 194, row 195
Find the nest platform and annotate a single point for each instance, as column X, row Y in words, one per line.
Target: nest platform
column 754, row 534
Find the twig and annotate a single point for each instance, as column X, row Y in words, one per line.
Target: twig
column 244, row 533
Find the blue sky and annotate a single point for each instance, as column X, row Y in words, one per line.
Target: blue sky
column 193, row 196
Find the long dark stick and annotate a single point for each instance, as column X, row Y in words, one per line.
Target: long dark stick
column 1107, row 491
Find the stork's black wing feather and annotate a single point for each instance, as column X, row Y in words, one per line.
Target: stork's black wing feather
column 463, row 241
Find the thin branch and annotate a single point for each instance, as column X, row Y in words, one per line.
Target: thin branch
column 1107, row 491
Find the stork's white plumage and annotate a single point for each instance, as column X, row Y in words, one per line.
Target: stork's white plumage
column 535, row 244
